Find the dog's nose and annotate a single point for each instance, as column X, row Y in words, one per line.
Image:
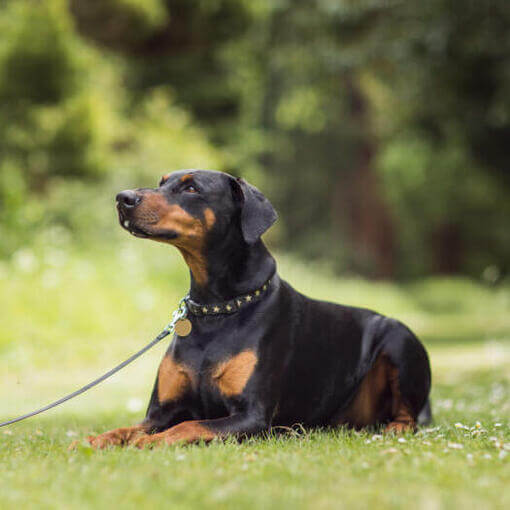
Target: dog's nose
column 128, row 198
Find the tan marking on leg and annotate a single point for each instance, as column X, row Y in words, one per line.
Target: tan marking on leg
column 173, row 380
column 187, row 432
column 396, row 427
column 232, row 375
column 117, row 437
column 402, row 419
column 366, row 407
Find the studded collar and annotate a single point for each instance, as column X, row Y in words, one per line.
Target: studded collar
column 228, row 307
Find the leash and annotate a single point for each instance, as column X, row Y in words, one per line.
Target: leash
column 177, row 315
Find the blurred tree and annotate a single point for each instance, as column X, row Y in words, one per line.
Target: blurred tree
column 68, row 126
column 397, row 112
column 50, row 119
column 378, row 127
column 443, row 108
column 46, row 103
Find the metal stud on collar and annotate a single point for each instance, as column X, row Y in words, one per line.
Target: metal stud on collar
column 227, row 307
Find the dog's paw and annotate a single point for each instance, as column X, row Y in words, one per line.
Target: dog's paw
column 117, row 437
column 396, row 427
column 73, row 446
column 150, row 441
column 105, row 440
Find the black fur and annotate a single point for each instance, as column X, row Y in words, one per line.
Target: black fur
column 311, row 355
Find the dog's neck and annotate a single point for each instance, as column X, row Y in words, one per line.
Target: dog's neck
column 233, row 268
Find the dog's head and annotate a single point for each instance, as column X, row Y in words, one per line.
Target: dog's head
column 192, row 207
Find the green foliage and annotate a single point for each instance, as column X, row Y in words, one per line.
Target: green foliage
column 119, row 23
column 436, row 187
column 43, row 100
column 39, row 64
column 50, row 114
column 70, row 136
column 379, row 129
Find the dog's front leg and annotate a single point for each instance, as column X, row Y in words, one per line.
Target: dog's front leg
column 117, row 437
column 205, row 430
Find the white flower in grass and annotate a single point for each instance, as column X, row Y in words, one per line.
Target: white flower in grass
column 71, row 433
column 402, row 440
column 502, row 454
column 455, row 446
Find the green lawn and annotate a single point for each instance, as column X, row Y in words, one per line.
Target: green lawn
column 67, row 316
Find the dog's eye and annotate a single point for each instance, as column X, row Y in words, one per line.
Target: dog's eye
column 163, row 180
column 190, row 189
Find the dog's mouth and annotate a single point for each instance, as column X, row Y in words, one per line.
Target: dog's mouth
column 131, row 226
column 138, row 231
column 134, row 229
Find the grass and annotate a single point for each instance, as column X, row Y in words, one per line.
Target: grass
column 67, row 316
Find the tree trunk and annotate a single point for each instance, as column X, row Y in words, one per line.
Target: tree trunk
column 359, row 198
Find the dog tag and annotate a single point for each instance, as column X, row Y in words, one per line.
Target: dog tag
column 183, row 327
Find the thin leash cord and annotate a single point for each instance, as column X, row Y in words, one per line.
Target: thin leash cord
column 178, row 314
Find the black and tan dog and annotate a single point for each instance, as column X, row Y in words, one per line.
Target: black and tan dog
column 260, row 354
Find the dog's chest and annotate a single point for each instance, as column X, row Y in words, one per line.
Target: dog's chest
column 213, row 370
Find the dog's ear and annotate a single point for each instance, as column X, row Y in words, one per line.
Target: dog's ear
column 257, row 213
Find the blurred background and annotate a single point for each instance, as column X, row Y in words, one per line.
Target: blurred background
column 380, row 130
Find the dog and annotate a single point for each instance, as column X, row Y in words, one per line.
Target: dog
column 256, row 353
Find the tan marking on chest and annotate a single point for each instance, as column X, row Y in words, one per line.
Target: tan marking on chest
column 173, row 380
column 232, row 375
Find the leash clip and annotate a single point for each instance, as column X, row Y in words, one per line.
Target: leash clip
column 179, row 316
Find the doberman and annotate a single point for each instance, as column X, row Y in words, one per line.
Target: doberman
column 259, row 353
